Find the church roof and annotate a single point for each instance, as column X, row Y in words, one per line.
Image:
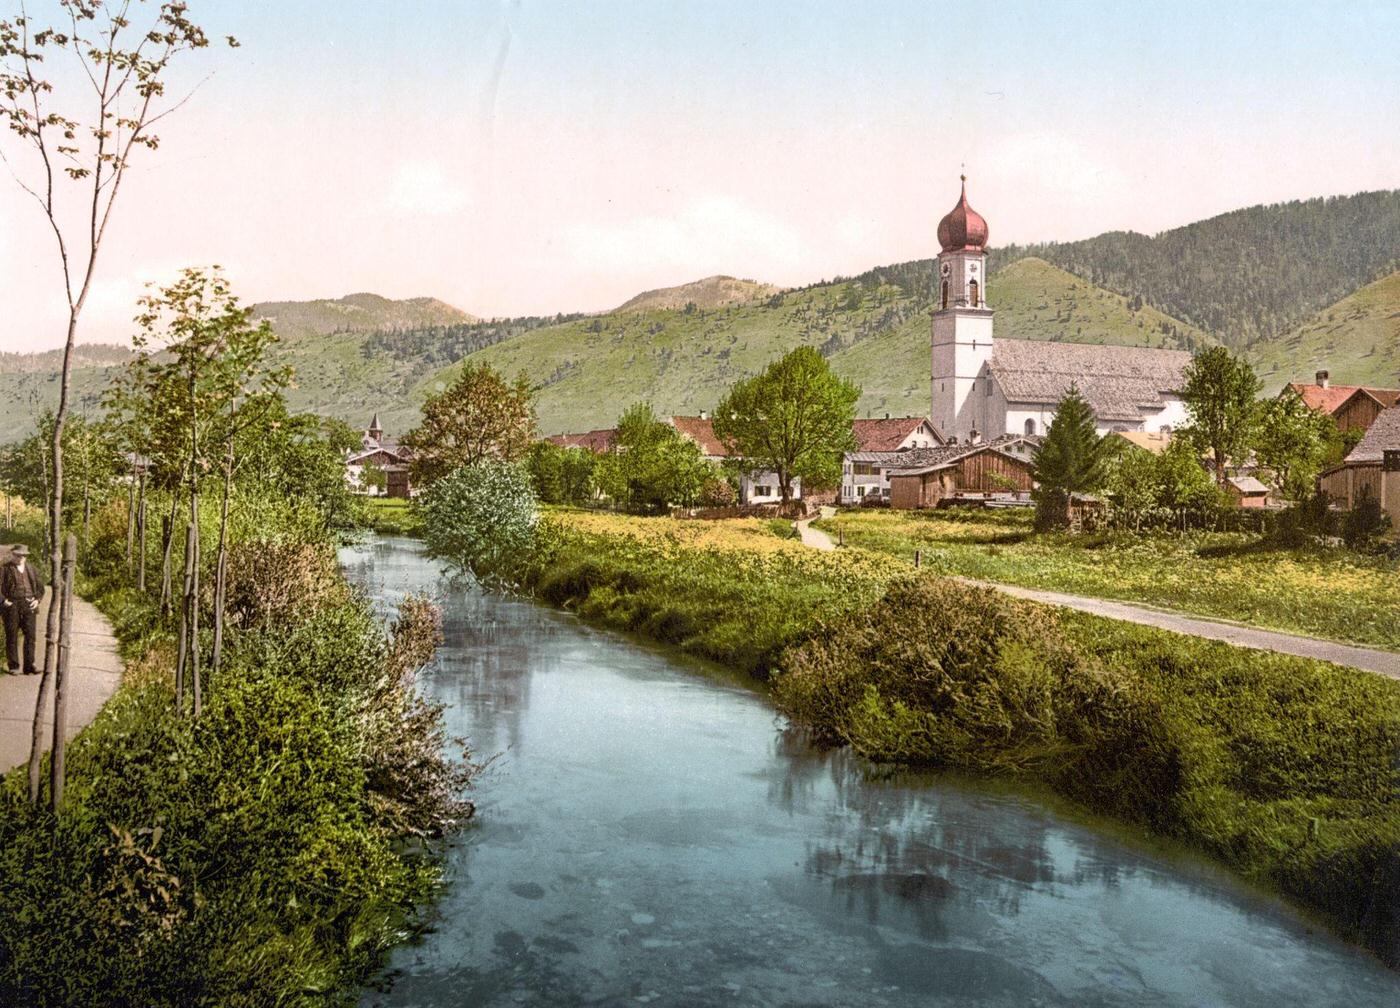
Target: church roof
column 963, row 228
column 1119, row 382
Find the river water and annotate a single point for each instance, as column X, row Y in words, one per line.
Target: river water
column 649, row 833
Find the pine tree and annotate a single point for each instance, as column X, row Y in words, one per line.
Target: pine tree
column 1069, row 461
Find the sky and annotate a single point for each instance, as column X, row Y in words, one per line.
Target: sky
column 534, row 157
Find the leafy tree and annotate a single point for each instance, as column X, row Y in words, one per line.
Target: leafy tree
column 1069, row 461
column 653, row 465
column 794, row 420
column 482, row 517
column 373, row 477
column 479, row 416
column 1185, row 484
column 1291, row 441
column 560, row 475
column 1219, row 393
column 74, row 170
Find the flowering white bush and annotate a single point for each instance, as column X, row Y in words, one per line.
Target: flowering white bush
column 482, row 517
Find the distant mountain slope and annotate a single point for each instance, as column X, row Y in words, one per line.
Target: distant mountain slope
column 711, row 292
column 875, row 332
column 45, row 362
column 1247, row 275
column 356, row 313
column 1356, row 340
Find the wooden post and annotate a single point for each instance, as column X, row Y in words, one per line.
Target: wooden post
column 840, row 537
column 60, row 692
column 918, row 558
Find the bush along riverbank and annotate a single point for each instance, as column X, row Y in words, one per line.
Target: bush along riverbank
column 1283, row 768
column 269, row 850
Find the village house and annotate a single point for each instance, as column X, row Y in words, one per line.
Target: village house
column 382, row 454
column 986, row 387
column 1371, row 468
column 997, row 470
column 1353, row 407
column 879, row 445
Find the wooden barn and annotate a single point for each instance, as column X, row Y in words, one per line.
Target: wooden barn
column 1372, row 469
column 961, row 471
column 1352, row 407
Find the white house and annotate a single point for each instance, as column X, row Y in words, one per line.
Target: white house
column 382, row 453
column 864, row 471
column 985, row 387
column 758, row 487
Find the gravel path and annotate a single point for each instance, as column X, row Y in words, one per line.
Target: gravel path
column 94, row 674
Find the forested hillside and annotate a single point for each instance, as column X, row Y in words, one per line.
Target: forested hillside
column 1248, row 275
column 1357, row 340
column 875, row 329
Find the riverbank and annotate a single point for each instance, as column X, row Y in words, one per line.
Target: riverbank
column 1281, row 767
column 269, row 851
column 1333, row 593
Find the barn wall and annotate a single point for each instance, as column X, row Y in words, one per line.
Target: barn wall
column 1359, row 412
column 1337, row 485
column 905, row 492
column 975, row 472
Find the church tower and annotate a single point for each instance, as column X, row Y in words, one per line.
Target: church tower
column 962, row 325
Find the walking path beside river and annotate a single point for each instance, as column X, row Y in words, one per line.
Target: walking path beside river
column 94, row 674
column 1386, row 663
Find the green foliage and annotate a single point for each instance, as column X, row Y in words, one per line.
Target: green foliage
column 1069, row 461
column 653, row 465
column 1291, row 442
column 561, row 475
column 479, row 416
column 392, row 516
column 1220, row 393
column 1365, row 523
column 482, row 517
column 793, row 419
column 255, row 855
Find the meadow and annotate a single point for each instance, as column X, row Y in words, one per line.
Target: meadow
column 1325, row 592
column 1281, row 767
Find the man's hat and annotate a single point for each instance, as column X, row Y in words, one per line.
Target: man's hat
column 20, row 551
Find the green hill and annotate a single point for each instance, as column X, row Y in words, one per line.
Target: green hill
column 1246, row 275
column 1357, row 340
column 356, row 313
column 875, row 333
column 711, row 292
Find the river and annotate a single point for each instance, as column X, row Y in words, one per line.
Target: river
column 648, row 832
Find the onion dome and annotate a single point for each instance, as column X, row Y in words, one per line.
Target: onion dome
column 963, row 230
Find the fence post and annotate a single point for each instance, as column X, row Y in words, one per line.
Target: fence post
column 918, row 558
column 840, row 537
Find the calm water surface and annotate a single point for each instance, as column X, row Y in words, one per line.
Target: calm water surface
column 650, row 834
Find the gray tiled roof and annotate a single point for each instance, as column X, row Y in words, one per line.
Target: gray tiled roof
column 923, row 459
column 1119, row 382
column 1383, row 435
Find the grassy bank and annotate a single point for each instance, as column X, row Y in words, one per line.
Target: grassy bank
column 1332, row 593
column 1283, row 768
column 391, row 516
column 262, row 854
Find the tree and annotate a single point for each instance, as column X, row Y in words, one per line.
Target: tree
column 1291, row 442
column 481, row 517
column 479, row 416
column 794, row 420
column 560, row 475
column 1219, row 393
column 1069, row 461
column 122, row 81
column 652, row 465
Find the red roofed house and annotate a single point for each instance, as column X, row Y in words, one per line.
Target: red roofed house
column 1353, row 407
column 599, row 442
column 758, row 487
column 865, row 471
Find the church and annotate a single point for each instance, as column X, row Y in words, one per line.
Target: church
column 984, row 388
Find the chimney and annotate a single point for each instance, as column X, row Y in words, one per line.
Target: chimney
column 974, row 436
column 1322, row 379
column 887, row 416
column 704, row 415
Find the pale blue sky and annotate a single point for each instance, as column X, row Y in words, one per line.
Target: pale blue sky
column 536, row 157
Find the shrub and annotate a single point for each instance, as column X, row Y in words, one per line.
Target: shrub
column 482, row 517
column 1365, row 523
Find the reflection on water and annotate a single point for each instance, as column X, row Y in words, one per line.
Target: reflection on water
column 651, row 834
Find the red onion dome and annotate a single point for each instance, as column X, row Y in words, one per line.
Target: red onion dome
column 963, row 230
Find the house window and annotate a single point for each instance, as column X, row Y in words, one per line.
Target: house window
column 860, row 490
column 945, row 293
column 763, row 490
column 972, row 293
column 865, row 469
column 1030, row 426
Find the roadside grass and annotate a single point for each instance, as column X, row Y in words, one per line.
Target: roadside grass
column 1283, row 768
column 392, row 516
column 1332, row 593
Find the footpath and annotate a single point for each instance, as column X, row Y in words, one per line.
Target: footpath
column 94, row 673
column 1386, row 663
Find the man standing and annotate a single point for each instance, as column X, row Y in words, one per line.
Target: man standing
column 21, row 589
